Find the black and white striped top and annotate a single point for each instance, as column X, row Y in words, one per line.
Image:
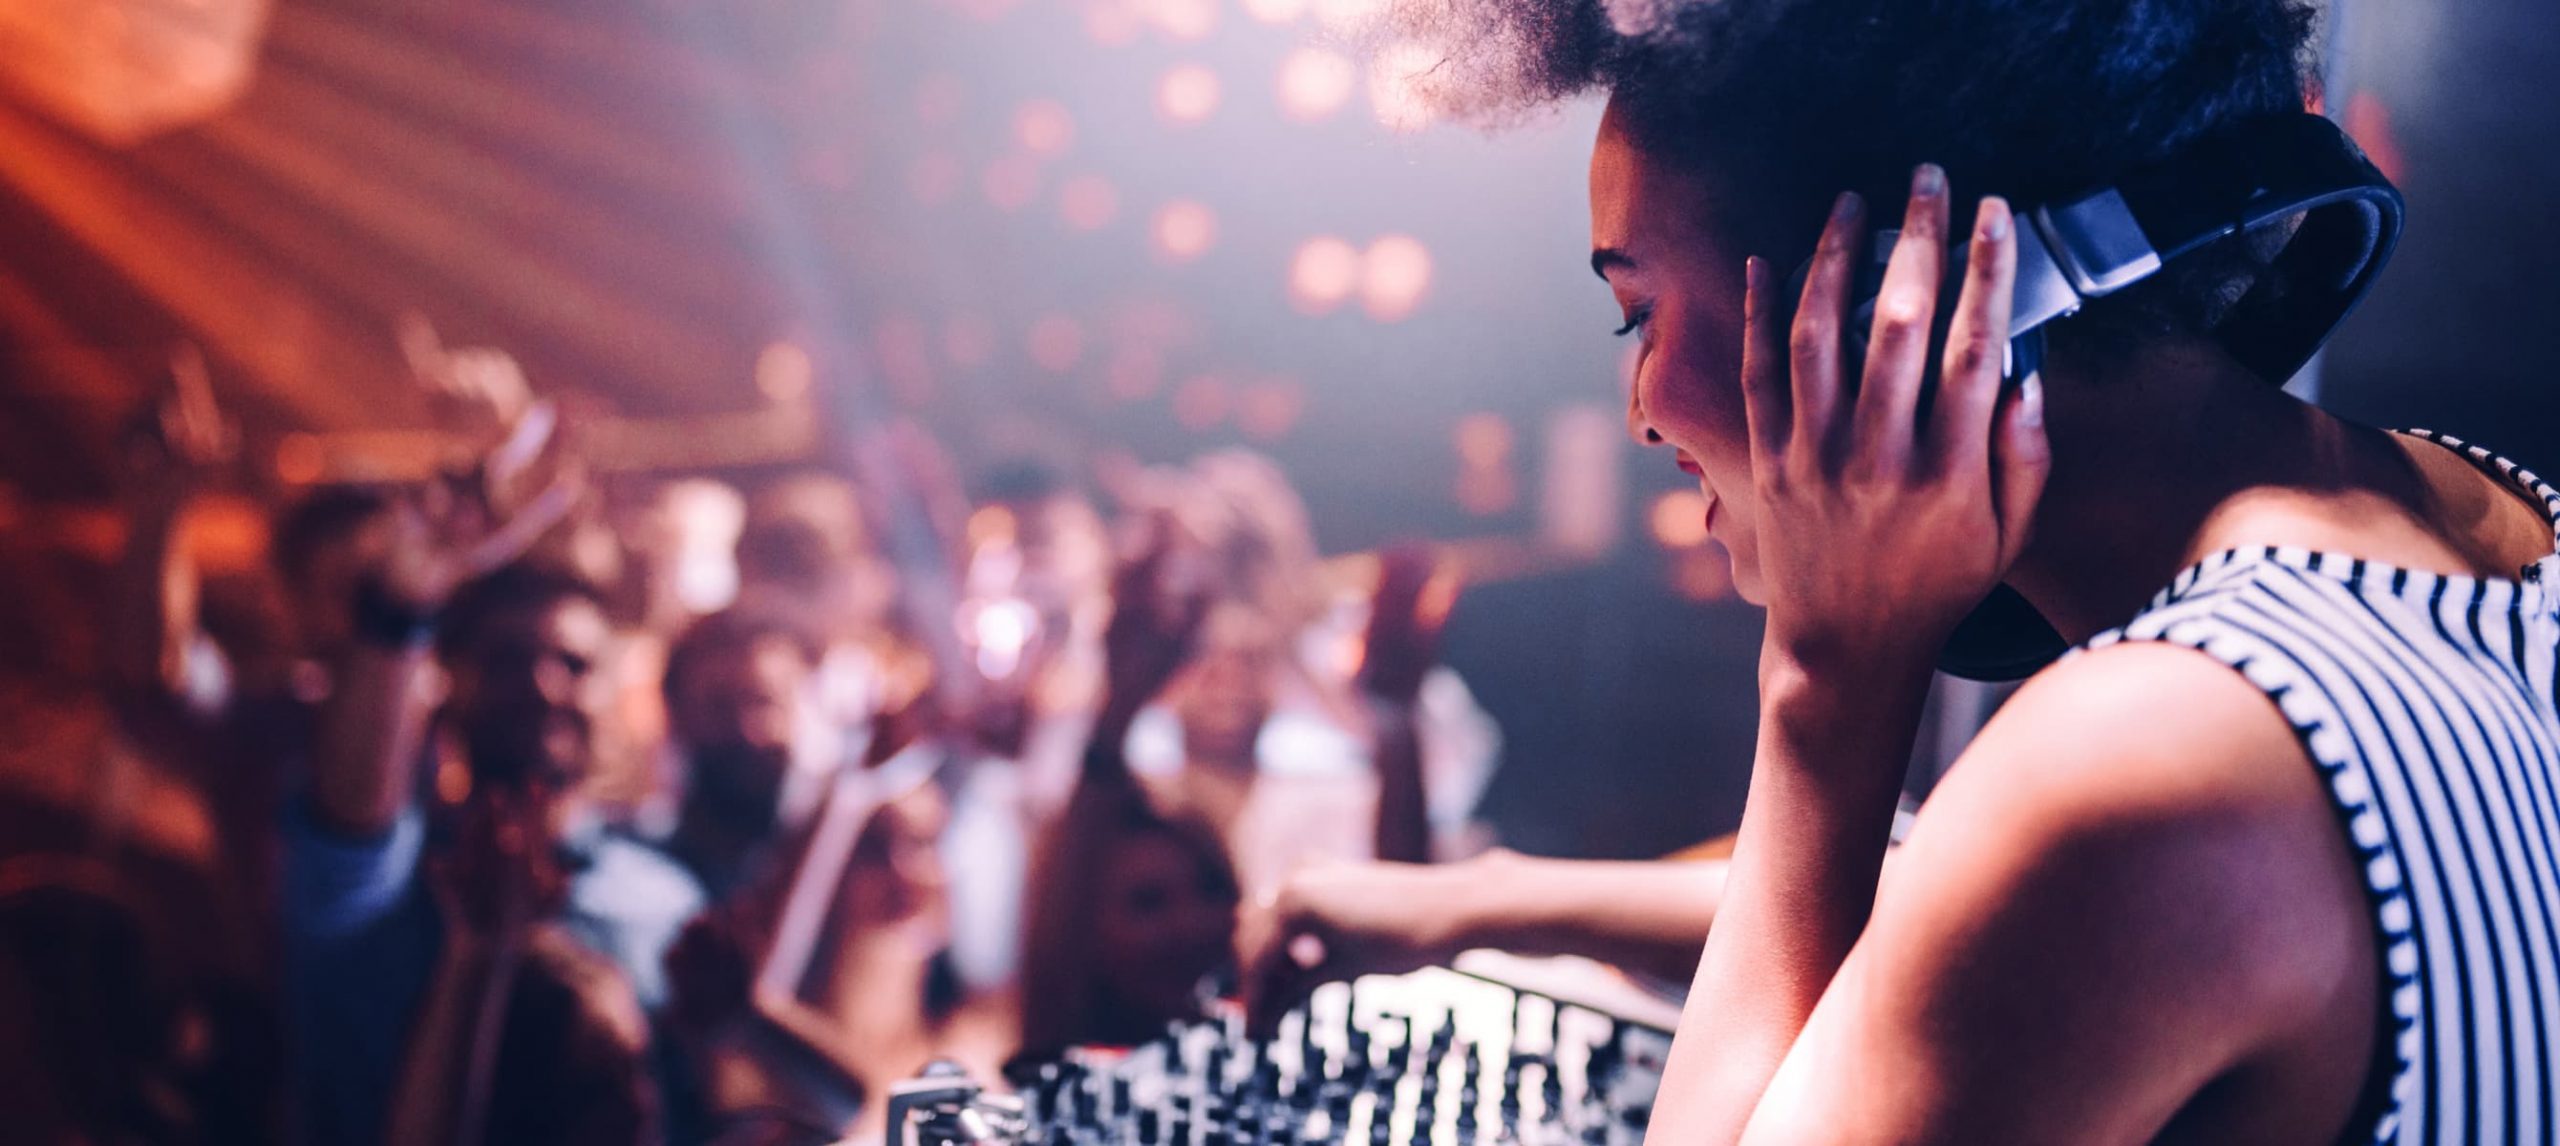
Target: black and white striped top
column 2428, row 702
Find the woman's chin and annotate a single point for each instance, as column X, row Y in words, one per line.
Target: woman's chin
column 1746, row 584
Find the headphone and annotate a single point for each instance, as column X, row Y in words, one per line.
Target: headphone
column 2100, row 243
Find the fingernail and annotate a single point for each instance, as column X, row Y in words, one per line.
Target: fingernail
column 1929, row 182
column 1846, row 207
column 1995, row 219
column 2031, row 399
column 1755, row 274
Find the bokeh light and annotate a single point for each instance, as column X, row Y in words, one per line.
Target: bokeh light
column 1088, row 202
column 1012, row 182
column 1057, row 343
column 1485, row 440
column 1323, row 273
column 1315, row 83
column 1394, row 276
column 1187, row 94
column 1270, row 409
column 783, row 372
column 1395, row 95
column 1184, row 230
column 1679, row 519
column 1044, row 127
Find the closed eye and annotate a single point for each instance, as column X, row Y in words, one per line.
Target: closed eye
column 1635, row 322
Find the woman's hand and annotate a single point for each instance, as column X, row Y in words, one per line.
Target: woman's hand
column 1887, row 514
column 1338, row 922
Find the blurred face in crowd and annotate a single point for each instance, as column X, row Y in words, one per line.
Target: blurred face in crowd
column 735, row 713
column 527, row 696
column 1066, row 552
column 1226, row 695
column 897, row 875
column 1165, row 922
column 1679, row 289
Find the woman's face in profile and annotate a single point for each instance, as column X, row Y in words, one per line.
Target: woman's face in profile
column 1679, row 289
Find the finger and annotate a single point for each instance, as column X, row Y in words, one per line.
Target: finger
column 518, row 533
column 1766, row 403
column 524, row 443
column 1906, row 312
column 1977, row 347
column 2025, row 461
column 1814, row 342
column 420, row 345
column 194, row 385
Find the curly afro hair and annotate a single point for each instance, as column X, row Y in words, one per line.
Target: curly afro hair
column 1799, row 99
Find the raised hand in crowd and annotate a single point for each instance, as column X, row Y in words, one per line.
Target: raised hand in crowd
column 1160, row 596
column 1415, row 595
column 183, row 442
column 442, row 535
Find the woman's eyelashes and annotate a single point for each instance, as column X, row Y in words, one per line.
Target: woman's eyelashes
column 1635, row 321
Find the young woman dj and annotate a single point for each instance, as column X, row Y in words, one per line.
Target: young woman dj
column 2272, row 856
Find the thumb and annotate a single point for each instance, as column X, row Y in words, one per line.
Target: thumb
column 2024, row 460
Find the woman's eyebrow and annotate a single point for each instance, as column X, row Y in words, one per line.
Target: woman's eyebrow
column 1606, row 257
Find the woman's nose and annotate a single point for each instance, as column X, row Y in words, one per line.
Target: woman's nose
column 1637, row 427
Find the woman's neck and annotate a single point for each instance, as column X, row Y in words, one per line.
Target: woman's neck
column 2174, row 454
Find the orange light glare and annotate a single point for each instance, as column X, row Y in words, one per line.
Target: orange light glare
column 1323, row 273
column 1184, row 230
column 1315, row 83
column 1044, row 127
column 1187, row 94
column 1394, row 276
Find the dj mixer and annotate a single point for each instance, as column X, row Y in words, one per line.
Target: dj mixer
column 1435, row 1058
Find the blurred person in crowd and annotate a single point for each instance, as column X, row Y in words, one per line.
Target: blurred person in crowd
column 115, row 1027
column 808, row 545
column 1131, row 908
column 735, row 685
column 520, row 644
column 1313, row 725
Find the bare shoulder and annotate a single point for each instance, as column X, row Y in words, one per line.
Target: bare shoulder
column 2146, row 816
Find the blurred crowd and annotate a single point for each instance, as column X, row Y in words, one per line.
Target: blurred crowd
column 539, row 805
